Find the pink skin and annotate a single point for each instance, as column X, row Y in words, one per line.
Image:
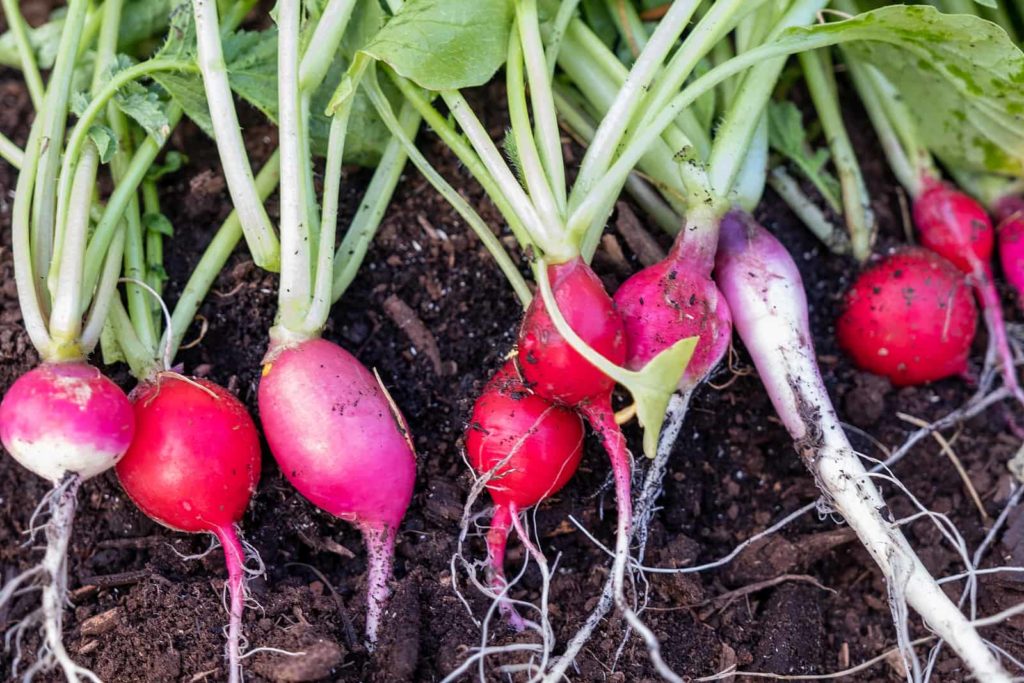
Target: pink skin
column 957, row 227
column 342, row 443
column 909, row 317
column 530, row 448
column 66, row 418
column 672, row 300
column 1010, row 233
column 193, row 467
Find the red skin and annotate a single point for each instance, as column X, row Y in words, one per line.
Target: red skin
column 1010, row 232
column 193, row 466
column 955, row 226
column 910, row 318
column 542, row 442
column 66, row 417
column 548, row 364
column 672, row 300
column 195, row 460
column 530, row 448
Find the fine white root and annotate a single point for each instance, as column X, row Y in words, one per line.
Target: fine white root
column 50, row 577
column 643, row 511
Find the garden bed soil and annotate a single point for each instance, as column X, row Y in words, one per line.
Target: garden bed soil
column 808, row 600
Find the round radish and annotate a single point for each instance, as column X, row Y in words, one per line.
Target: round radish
column 672, row 300
column 66, row 418
column 340, row 440
column 193, row 466
column 528, row 448
column 910, row 318
column 1010, row 232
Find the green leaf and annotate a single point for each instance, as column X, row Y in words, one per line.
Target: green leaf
column 105, row 140
column 173, row 161
column 600, row 21
column 78, row 103
column 157, row 222
column 787, row 136
column 146, row 108
column 961, row 76
column 445, row 44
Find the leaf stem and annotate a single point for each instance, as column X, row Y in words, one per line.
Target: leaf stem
column 11, row 153
column 106, row 294
column 259, row 233
column 476, row 223
column 860, row 219
column 378, row 194
column 29, row 68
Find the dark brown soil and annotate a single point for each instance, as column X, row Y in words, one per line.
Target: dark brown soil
column 140, row 612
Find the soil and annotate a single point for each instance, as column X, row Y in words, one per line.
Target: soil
column 433, row 315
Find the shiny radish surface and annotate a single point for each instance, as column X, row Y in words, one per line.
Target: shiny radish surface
column 1010, row 235
column 910, row 317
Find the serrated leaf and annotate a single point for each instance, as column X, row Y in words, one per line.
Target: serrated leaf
column 144, row 106
column 961, row 76
column 787, row 136
column 105, row 140
column 78, row 103
column 172, row 163
column 445, row 44
column 157, row 222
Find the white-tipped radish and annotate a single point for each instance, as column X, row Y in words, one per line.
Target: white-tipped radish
column 765, row 293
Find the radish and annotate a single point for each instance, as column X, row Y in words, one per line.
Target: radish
column 957, row 227
column 63, row 420
column 1010, row 232
column 910, row 318
column 528, row 449
column 193, row 466
column 765, row 293
column 348, row 452
column 330, row 424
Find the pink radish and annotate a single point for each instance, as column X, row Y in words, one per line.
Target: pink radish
column 342, row 443
column 957, row 227
column 193, row 467
column 910, row 318
column 675, row 299
column 528, row 448
column 1010, row 232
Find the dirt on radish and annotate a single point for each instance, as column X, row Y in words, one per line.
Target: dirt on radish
column 807, row 600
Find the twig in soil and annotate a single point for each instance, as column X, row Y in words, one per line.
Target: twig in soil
column 118, row 580
column 731, row 672
column 947, row 449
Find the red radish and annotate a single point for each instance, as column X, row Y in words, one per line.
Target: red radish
column 910, row 318
column 672, row 300
column 66, row 418
column 528, row 448
column 957, row 227
column 193, row 466
column 1010, row 232
column 340, row 440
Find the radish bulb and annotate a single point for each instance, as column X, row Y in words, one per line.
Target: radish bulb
column 193, row 467
column 910, row 318
column 341, row 442
column 528, row 448
column 1010, row 233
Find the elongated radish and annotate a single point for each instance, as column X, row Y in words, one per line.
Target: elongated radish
column 193, row 466
column 1010, row 233
column 765, row 293
column 340, row 440
column 675, row 299
column 527, row 448
column 957, row 227
column 910, row 318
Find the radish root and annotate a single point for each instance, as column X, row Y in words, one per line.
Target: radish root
column 50, row 577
